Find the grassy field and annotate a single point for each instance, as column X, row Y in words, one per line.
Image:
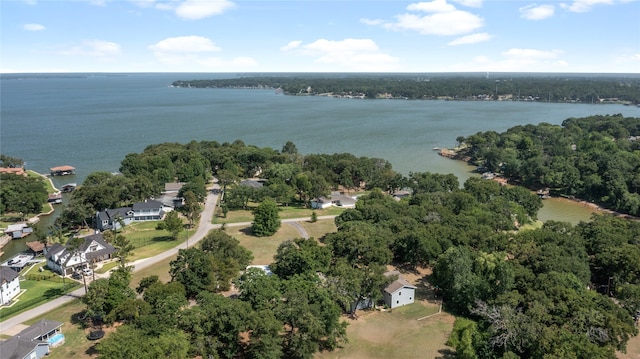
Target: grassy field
column 284, row 212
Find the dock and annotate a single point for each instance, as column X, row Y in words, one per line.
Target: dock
column 65, row 170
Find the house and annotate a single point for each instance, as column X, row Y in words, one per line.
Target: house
column 33, row 342
column 321, row 203
column 18, row 230
column 338, row 199
column 169, row 197
column 149, row 210
column 21, row 348
column 45, row 330
column 113, row 219
column 18, row 171
column 399, row 292
column 64, row 260
column 9, row 285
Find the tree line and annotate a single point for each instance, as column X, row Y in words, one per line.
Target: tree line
column 595, row 158
column 557, row 291
column 517, row 87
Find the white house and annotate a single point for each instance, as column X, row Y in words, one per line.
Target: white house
column 399, row 293
column 9, row 285
column 149, row 210
column 94, row 248
column 337, row 199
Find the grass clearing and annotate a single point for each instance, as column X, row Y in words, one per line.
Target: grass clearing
column 396, row 334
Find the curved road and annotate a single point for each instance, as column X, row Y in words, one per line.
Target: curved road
column 205, row 225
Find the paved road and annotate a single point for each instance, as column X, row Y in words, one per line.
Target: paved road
column 11, row 325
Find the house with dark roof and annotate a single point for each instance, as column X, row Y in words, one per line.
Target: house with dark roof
column 64, row 260
column 148, row 210
column 113, row 219
column 33, row 342
column 45, row 330
column 21, row 348
column 9, row 285
column 399, row 292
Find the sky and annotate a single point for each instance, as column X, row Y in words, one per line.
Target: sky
column 573, row 36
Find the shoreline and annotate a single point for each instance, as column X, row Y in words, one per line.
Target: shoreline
column 454, row 155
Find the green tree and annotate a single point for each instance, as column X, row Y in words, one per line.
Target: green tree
column 172, row 223
column 266, row 220
column 191, row 208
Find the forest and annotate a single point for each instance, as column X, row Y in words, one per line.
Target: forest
column 557, row 290
column 596, row 159
column 497, row 86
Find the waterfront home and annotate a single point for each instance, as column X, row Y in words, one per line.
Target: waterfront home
column 9, row 285
column 64, row 260
column 169, row 197
column 113, row 219
column 18, row 171
column 148, row 210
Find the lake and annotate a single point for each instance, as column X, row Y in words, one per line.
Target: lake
column 91, row 121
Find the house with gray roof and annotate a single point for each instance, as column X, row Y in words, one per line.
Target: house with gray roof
column 399, row 292
column 64, row 260
column 21, row 348
column 33, row 342
column 147, row 210
column 9, row 284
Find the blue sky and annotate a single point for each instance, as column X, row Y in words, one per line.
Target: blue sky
column 320, row 36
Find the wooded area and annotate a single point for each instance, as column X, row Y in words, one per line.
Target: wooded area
column 497, row 86
column 595, row 159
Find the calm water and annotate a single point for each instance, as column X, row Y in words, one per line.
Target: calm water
column 91, row 122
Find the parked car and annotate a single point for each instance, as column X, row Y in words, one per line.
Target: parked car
column 76, row 275
column 87, row 272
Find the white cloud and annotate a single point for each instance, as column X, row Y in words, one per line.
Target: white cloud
column 372, row 22
column 351, row 54
column 291, row 45
column 94, row 48
column 442, row 19
column 200, row 9
column 470, row 3
column 537, row 12
column 184, row 44
column 584, row 5
column 190, row 52
column 33, row 27
column 471, row 39
column 433, row 6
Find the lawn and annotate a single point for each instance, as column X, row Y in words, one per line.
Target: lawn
column 240, row 216
column 35, row 293
column 396, row 334
column 76, row 344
